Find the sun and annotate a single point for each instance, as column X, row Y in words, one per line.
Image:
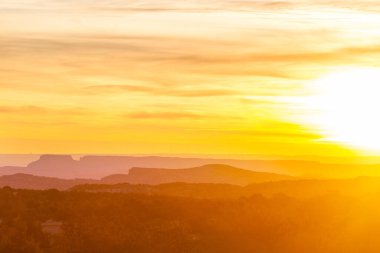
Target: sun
column 346, row 107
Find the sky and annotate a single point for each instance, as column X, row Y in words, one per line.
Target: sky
column 174, row 77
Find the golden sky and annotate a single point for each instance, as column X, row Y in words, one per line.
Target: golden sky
column 166, row 76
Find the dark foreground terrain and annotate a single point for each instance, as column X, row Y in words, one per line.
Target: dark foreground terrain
column 80, row 221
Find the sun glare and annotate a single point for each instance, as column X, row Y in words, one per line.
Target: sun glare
column 346, row 107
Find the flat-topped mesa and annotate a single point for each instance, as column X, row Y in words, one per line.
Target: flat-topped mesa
column 53, row 161
column 211, row 173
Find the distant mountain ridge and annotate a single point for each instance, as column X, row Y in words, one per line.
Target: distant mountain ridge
column 211, row 173
column 25, row 181
column 97, row 167
column 217, row 174
column 301, row 189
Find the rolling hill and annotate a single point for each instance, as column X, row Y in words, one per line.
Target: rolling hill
column 211, row 173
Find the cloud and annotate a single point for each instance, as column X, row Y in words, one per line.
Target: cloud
column 38, row 110
column 275, row 134
column 139, row 57
column 155, row 65
column 143, row 6
column 166, row 115
column 339, row 55
column 262, row 5
column 164, row 91
column 275, row 130
column 198, row 6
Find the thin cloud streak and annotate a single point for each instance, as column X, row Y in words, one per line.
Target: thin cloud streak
column 38, row 110
column 102, row 89
column 228, row 65
column 175, row 6
column 166, row 115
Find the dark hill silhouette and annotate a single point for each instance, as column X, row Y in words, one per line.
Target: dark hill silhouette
column 312, row 187
column 24, row 181
column 301, row 189
column 222, row 174
column 97, row 167
column 205, row 191
column 212, row 173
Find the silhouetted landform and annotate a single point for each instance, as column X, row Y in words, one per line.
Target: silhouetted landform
column 97, row 167
column 73, row 221
column 25, row 181
column 202, row 191
column 213, row 173
column 301, row 189
column 24, row 159
column 293, row 188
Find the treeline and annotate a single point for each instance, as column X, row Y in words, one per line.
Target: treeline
column 79, row 222
column 303, row 189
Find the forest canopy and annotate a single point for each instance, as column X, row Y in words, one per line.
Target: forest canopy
column 76, row 222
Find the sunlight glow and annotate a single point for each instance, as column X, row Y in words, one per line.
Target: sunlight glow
column 346, row 107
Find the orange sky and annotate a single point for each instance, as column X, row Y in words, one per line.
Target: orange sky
column 206, row 77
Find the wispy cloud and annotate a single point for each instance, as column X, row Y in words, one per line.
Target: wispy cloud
column 169, row 63
column 273, row 134
column 156, row 90
column 145, row 5
column 166, row 115
column 38, row 110
column 181, row 6
column 274, row 130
